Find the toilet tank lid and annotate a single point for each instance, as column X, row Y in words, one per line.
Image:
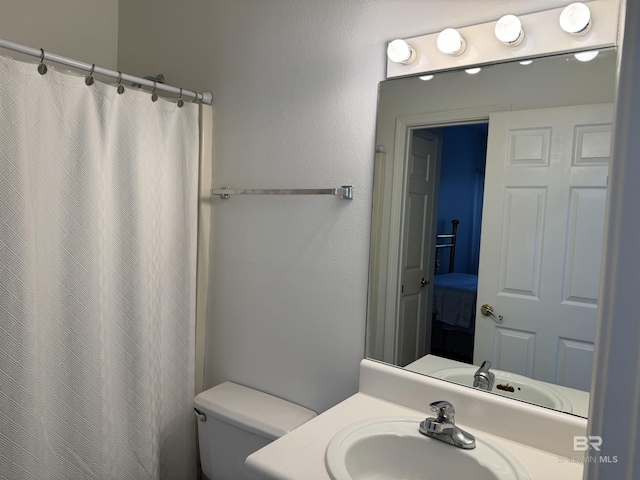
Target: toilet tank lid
column 252, row 410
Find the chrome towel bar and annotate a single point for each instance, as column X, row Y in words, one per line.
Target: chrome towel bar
column 345, row 191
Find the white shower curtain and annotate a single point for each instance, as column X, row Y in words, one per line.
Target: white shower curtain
column 98, row 205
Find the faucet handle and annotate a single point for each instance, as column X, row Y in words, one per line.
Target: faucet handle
column 483, row 378
column 445, row 411
column 486, row 365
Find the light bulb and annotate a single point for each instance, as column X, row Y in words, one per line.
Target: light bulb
column 509, row 30
column 400, row 51
column 576, row 19
column 473, row 71
column 526, row 62
column 426, row 78
column 586, row 56
column 451, row 42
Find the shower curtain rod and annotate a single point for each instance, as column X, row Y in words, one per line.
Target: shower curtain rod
column 204, row 97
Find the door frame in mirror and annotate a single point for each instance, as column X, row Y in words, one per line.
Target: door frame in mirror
column 388, row 286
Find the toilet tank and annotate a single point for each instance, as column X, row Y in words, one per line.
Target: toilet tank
column 239, row 421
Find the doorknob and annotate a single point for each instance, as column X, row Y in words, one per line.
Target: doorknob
column 424, row 282
column 487, row 310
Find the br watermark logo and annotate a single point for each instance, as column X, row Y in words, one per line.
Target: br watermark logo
column 583, row 444
column 586, row 448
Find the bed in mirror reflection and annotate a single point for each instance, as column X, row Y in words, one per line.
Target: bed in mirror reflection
column 454, row 292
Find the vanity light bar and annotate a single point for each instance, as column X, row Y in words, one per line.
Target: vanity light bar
column 561, row 30
column 345, row 191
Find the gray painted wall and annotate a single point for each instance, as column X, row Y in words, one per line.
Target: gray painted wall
column 295, row 91
column 82, row 30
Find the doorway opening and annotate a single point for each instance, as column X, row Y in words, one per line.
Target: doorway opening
column 457, row 243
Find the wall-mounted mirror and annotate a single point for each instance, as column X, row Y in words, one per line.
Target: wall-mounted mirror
column 488, row 218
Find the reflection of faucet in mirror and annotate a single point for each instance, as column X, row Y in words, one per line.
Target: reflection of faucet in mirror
column 444, row 428
column 483, row 378
column 506, row 250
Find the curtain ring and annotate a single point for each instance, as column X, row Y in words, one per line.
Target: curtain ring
column 180, row 102
column 42, row 68
column 89, row 80
column 196, row 98
column 154, row 95
column 120, row 87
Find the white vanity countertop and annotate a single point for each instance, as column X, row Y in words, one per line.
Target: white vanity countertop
column 301, row 453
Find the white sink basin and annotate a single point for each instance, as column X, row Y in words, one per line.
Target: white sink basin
column 392, row 447
column 524, row 388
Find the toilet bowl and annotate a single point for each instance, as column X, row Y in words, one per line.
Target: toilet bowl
column 235, row 421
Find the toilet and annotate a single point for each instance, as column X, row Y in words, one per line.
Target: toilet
column 235, row 421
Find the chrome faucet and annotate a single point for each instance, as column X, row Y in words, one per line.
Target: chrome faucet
column 444, row 428
column 483, row 378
